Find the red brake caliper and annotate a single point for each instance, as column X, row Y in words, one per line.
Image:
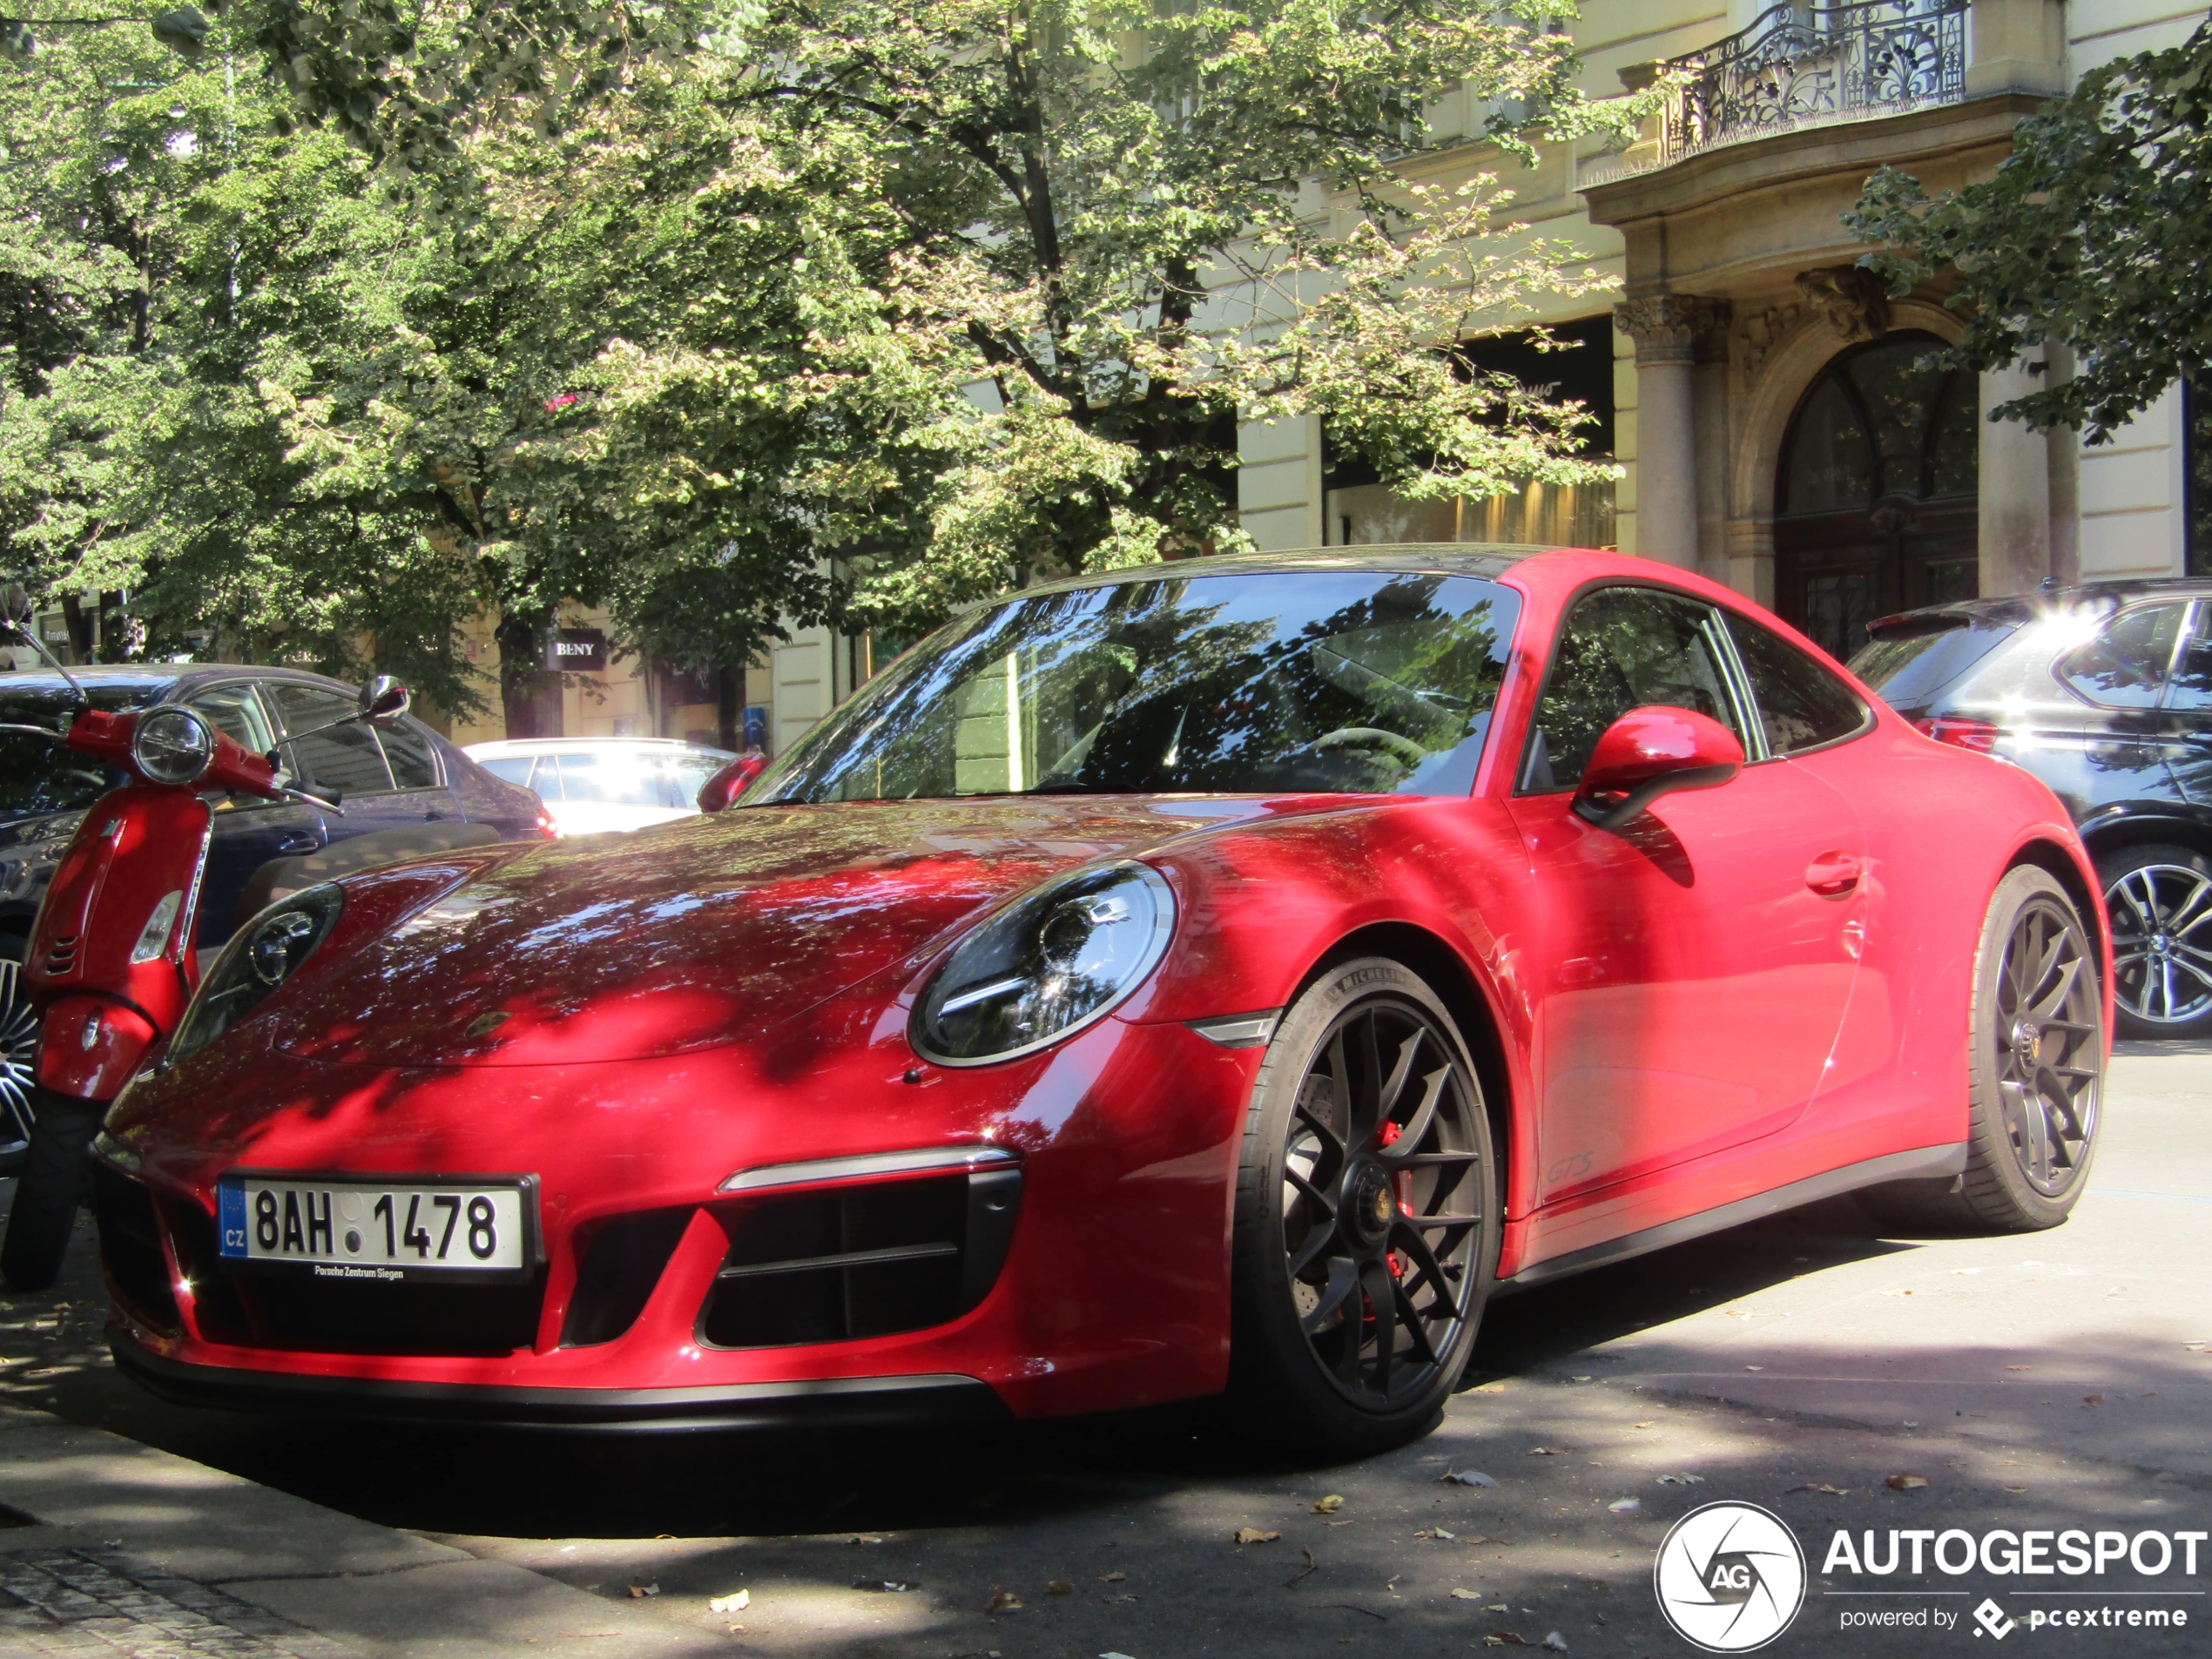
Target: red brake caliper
column 1389, row 1137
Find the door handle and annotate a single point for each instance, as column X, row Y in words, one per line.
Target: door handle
column 1834, row 872
column 298, row 844
column 434, row 817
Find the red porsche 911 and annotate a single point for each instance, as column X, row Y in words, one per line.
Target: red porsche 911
column 1213, row 978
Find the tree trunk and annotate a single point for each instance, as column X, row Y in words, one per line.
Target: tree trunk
column 529, row 694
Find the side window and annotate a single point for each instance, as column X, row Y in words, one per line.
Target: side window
column 2190, row 686
column 1801, row 706
column 1623, row 648
column 515, row 769
column 346, row 758
column 236, row 713
column 408, row 752
column 2124, row 667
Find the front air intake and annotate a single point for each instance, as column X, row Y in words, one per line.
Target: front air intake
column 868, row 1260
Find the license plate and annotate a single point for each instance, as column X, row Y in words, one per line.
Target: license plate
column 351, row 1229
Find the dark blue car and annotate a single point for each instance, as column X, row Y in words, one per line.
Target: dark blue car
column 401, row 777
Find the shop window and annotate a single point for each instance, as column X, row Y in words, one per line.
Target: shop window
column 1359, row 509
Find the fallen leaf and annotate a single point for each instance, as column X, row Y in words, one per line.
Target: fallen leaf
column 1911, row 1425
column 1254, row 1535
column 1490, row 1388
column 1681, row 1480
column 2015, row 1488
column 639, row 1592
column 1329, row 1505
column 1625, row 1506
column 1005, row 1602
column 1103, row 1656
column 1113, row 1578
column 1906, row 1482
column 1503, row 1639
column 1581, row 1380
column 2019, row 1367
column 868, row 1538
column 1467, row 1478
column 1897, row 1293
column 2092, row 1399
column 886, row 1586
column 1755, row 1367
column 1497, row 1607
column 1547, row 1451
column 1467, row 1595
column 1555, row 1643
column 737, row 1603
column 1437, row 1531
column 1059, row 1587
column 1648, row 1422
column 1833, row 1491
column 2193, row 1347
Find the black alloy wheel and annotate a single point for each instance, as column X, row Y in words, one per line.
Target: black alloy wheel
column 2160, row 900
column 18, row 1058
column 1367, row 1215
column 2035, row 1072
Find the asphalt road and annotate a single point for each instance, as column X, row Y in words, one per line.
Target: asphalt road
column 2057, row 1380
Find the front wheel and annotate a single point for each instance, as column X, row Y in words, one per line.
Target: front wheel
column 2034, row 1073
column 48, row 1191
column 1366, row 1220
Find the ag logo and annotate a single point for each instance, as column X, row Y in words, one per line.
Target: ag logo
column 1729, row 1577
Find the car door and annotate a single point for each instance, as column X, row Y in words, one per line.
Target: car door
column 248, row 831
column 2106, row 739
column 1697, row 965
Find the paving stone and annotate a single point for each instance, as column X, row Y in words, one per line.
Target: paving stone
column 103, row 1603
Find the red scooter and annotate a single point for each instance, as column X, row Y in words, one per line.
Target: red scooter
column 111, row 965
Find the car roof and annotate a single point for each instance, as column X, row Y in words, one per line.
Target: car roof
column 1425, row 559
column 174, row 678
column 2019, row 607
column 560, row 745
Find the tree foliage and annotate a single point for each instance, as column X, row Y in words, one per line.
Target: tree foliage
column 2092, row 234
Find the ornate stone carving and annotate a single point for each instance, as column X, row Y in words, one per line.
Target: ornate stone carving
column 1674, row 327
column 1855, row 301
column 1759, row 333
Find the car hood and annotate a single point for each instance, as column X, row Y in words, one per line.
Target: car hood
column 707, row 931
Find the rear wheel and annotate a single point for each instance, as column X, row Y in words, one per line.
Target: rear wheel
column 2160, row 900
column 19, row 1055
column 1366, row 1222
column 2035, row 1072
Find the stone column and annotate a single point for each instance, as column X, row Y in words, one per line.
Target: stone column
column 2014, row 489
column 1669, row 330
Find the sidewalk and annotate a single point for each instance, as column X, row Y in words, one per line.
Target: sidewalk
column 112, row 1548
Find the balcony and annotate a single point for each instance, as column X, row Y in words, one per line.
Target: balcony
column 1797, row 66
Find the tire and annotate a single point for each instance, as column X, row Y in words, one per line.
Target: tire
column 2160, row 900
column 1324, row 1223
column 2034, row 1084
column 19, row 1055
column 56, row 1172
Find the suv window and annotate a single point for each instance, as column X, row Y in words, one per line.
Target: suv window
column 1909, row 665
column 515, row 769
column 406, row 747
column 1623, row 648
column 2190, row 686
column 2124, row 667
column 346, row 758
column 1802, row 704
column 617, row 779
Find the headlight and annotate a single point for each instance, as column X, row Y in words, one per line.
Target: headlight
column 261, row 955
column 1046, row 966
column 172, row 745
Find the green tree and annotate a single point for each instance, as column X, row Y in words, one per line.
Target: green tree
column 2092, row 234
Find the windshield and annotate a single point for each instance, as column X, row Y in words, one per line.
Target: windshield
column 1910, row 666
column 37, row 777
column 1341, row 681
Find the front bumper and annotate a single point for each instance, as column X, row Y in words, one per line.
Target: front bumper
column 843, row 1403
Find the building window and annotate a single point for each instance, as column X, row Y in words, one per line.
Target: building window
column 1360, row 511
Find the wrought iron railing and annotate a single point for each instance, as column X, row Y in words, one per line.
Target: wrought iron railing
column 1805, row 65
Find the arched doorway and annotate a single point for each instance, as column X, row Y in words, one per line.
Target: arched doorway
column 1875, row 505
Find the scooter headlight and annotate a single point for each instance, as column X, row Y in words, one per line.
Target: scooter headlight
column 172, row 746
column 1046, row 965
column 261, row 955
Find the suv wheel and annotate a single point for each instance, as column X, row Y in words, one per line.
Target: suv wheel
column 2160, row 900
column 19, row 1055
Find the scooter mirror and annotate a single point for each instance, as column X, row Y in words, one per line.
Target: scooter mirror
column 384, row 699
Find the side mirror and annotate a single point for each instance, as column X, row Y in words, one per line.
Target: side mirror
column 720, row 792
column 1652, row 751
column 384, row 699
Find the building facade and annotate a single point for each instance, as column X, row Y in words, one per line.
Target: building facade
column 1776, row 421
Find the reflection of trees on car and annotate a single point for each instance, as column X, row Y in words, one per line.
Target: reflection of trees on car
column 1383, row 684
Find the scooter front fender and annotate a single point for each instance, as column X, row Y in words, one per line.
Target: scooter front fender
column 91, row 1047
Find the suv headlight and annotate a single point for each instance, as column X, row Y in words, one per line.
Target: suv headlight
column 261, row 955
column 1046, row 966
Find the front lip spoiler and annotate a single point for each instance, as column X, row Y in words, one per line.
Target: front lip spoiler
column 842, row 1403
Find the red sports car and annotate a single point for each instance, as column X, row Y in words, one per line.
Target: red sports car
column 1222, row 976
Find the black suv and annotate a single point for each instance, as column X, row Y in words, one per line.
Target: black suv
column 399, row 778
column 2104, row 691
